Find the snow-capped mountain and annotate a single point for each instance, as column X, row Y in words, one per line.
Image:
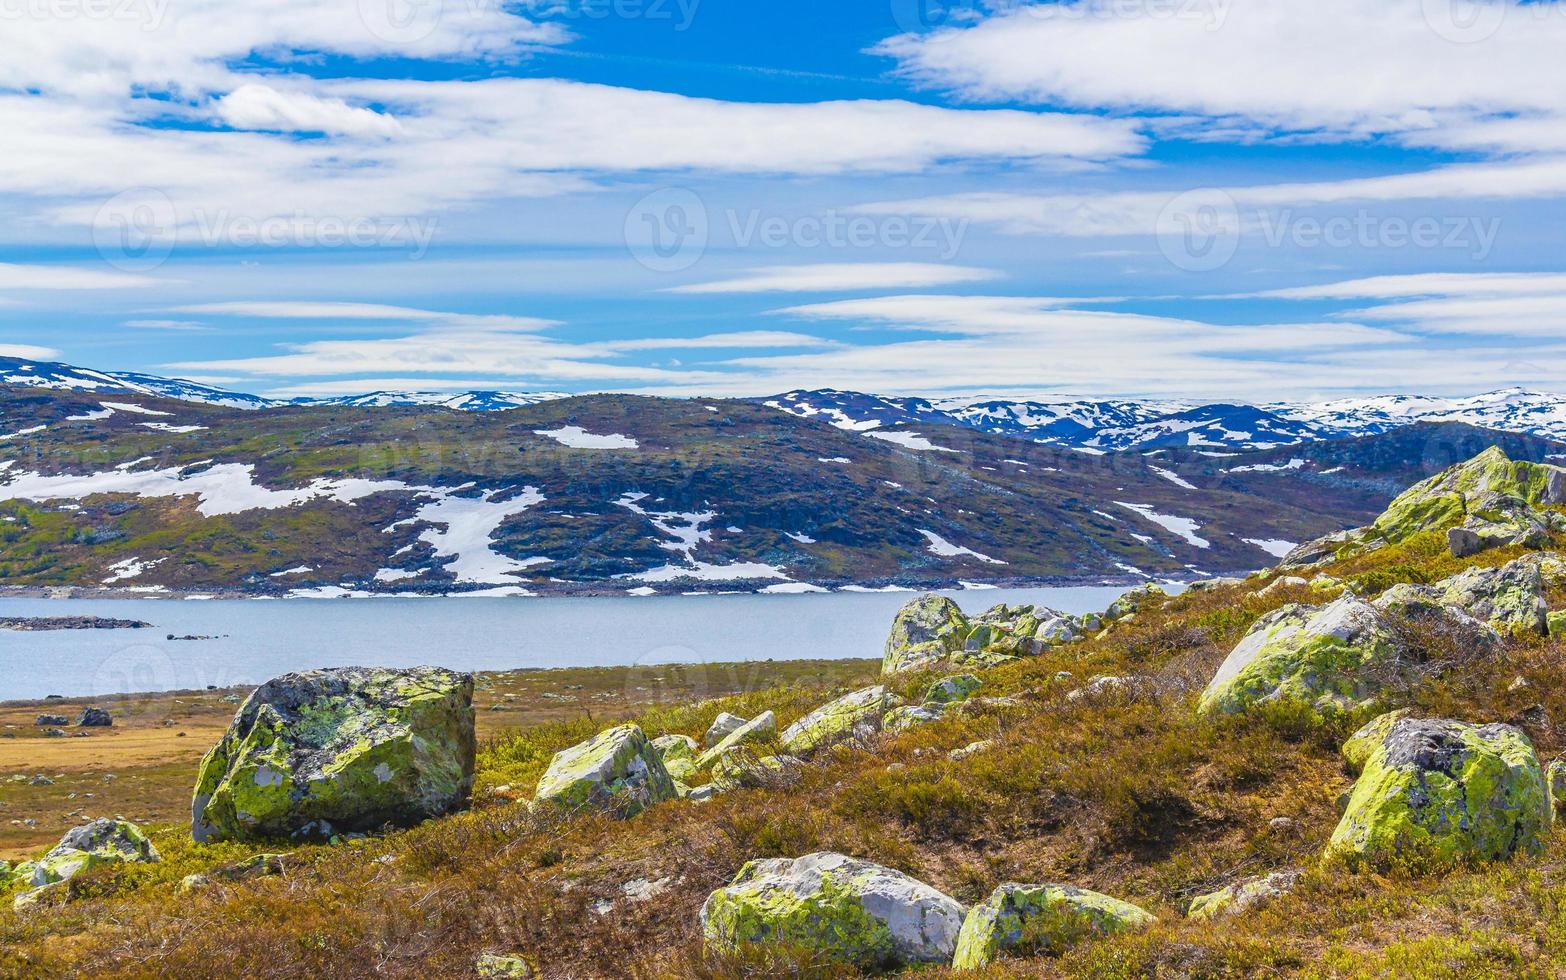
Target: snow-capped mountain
column 467, row 401
column 1509, row 410
column 1052, row 421
column 66, row 377
column 1210, row 427
column 856, row 411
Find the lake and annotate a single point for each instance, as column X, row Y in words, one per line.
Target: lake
column 259, row 639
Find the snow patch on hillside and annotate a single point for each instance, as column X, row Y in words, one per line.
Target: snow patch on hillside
column 1182, row 527
column 940, row 546
column 577, row 437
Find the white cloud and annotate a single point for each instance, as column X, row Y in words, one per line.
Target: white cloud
column 29, row 351
column 310, row 310
column 1505, row 304
column 842, row 277
column 737, row 339
column 15, row 276
column 255, row 106
column 1355, row 67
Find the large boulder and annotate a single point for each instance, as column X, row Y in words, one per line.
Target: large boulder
column 1329, row 657
column 1428, row 606
column 88, row 846
column 1040, row 918
column 926, row 631
column 836, row 907
column 852, row 716
column 1509, row 598
column 1357, row 750
column 1437, row 792
column 349, row 749
column 1487, row 501
column 617, row 772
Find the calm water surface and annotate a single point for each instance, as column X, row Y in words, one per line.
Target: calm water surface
column 259, row 639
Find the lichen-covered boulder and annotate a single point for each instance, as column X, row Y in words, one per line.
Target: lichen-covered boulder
column 852, row 716
column 618, row 772
column 1555, row 781
column 497, row 966
column 926, row 631
column 1040, row 918
column 1557, row 622
column 720, row 729
column 1242, row 896
column 1436, row 792
column 329, row 751
column 948, row 690
column 1140, row 598
column 678, row 753
column 1498, row 520
column 1369, row 738
column 1429, row 606
column 1509, row 598
column 1328, row 657
column 906, row 716
column 743, row 767
column 1326, row 548
column 758, row 729
column 89, row 846
column 839, row 908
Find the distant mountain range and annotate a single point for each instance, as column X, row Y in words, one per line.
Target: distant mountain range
column 1110, row 426
column 1092, row 426
column 148, row 485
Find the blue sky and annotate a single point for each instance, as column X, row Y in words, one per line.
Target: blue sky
column 1190, row 199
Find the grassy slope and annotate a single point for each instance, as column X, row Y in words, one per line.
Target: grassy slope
column 1131, row 797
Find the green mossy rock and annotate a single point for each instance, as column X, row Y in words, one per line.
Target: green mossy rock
column 1555, row 781
column 1557, row 622
column 906, row 716
column 759, row 729
column 678, row 753
column 1369, row 738
column 852, row 716
column 1429, row 606
column 1242, row 896
column 1030, row 919
column 835, row 907
column 1509, row 598
column 949, row 690
column 1142, row 597
column 1329, row 657
column 1438, row 792
column 1446, row 499
column 494, row 966
column 351, row 749
column 88, row 846
column 926, row 631
column 618, row 772
column 721, row 727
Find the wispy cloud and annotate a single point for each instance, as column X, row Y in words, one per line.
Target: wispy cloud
column 841, row 277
